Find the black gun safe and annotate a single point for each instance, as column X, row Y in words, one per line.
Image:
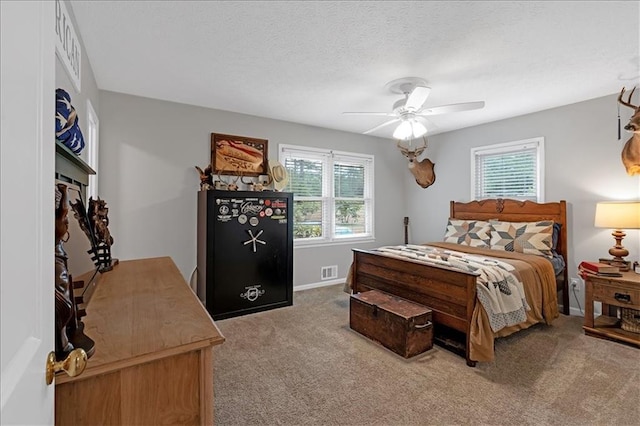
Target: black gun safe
column 245, row 251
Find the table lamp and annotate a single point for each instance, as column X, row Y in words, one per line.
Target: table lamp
column 618, row 215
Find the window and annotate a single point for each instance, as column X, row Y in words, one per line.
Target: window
column 91, row 138
column 509, row 170
column 332, row 194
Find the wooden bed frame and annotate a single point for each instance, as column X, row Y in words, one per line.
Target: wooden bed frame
column 451, row 294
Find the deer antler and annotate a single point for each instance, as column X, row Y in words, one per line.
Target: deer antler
column 628, row 103
column 402, row 149
column 413, row 152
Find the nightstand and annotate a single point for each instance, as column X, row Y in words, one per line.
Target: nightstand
column 612, row 292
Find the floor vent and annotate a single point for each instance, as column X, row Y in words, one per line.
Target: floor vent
column 329, row 272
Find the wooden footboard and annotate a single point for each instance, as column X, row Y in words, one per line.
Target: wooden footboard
column 449, row 293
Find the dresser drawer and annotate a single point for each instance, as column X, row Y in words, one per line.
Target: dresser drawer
column 615, row 295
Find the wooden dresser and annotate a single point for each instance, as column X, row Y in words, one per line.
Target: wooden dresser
column 153, row 362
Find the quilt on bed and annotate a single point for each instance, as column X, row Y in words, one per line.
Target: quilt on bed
column 538, row 286
column 498, row 288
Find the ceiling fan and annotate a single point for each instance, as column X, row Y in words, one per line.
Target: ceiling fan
column 410, row 111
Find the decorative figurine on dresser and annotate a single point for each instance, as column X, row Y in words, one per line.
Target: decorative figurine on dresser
column 245, row 251
column 95, row 224
column 69, row 334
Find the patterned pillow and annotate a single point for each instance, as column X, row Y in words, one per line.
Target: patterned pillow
column 522, row 237
column 474, row 233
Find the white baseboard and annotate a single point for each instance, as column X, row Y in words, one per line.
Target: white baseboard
column 580, row 313
column 575, row 312
column 319, row 284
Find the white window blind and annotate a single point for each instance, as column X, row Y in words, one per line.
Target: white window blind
column 332, row 193
column 511, row 170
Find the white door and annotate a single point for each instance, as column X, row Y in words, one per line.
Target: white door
column 27, row 163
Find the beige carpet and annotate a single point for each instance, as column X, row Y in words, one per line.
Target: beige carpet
column 303, row 365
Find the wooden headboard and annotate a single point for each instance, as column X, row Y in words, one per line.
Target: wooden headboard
column 520, row 211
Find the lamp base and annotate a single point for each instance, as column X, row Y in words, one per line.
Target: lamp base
column 622, row 264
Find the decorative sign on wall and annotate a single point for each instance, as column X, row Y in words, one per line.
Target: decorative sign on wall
column 238, row 155
column 68, row 46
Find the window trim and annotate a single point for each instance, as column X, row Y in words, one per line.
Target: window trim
column 329, row 197
column 92, row 151
column 510, row 147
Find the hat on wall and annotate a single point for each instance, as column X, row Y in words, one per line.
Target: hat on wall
column 278, row 174
column 67, row 129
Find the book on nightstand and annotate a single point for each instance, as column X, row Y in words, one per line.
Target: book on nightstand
column 599, row 269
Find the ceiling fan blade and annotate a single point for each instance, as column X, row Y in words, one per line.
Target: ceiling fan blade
column 430, row 125
column 369, row 113
column 417, row 97
column 466, row 106
column 386, row 123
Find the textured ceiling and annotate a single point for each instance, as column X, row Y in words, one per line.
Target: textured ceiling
column 307, row 62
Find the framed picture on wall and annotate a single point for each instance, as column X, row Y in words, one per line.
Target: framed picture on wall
column 238, row 155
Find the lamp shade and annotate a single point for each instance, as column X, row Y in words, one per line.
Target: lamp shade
column 618, row 214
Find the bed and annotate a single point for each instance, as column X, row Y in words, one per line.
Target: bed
column 461, row 322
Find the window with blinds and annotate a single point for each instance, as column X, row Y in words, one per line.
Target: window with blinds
column 510, row 170
column 332, row 193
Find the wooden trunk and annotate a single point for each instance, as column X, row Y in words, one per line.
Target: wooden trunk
column 398, row 324
column 449, row 293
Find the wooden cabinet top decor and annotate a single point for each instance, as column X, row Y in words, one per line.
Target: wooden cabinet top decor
column 141, row 311
column 153, row 361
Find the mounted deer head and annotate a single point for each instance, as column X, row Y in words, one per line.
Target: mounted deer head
column 421, row 170
column 631, row 151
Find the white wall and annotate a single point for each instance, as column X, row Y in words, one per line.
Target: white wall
column 148, row 153
column 582, row 166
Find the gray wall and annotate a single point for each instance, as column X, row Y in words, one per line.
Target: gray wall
column 88, row 86
column 582, row 166
column 79, row 261
column 148, row 153
column 148, row 150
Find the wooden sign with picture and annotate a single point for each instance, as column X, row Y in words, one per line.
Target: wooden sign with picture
column 238, row 155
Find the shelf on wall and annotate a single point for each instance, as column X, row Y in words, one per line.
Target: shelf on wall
column 65, row 152
column 71, row 168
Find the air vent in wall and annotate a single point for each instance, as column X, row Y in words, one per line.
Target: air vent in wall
column 329, row 272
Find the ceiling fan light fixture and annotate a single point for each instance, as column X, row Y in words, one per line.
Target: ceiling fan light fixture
column 409, row 129
column 418, row 129
column 403, row 131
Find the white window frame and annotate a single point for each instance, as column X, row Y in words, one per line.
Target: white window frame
column 92, row 148
column 509, row 148
column 328, row 200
